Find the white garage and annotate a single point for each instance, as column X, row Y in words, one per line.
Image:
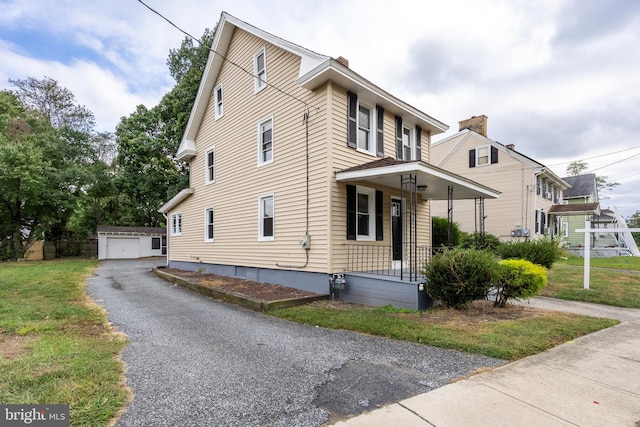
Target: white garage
column 131, row 242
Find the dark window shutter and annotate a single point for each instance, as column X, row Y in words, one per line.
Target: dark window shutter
column 398, row 137
column 494, row 155
column 537, row 219
column 418, row 143
column 352, row 122
column 380, row 133
column 351, row 212
column 379, row 212
column 472, row 158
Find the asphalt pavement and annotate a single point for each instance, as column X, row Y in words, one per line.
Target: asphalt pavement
column 194, row 361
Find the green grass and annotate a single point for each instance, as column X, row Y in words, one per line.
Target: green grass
column 620, row 262
column 64, row 351
column 505, row 339
column 606, row 286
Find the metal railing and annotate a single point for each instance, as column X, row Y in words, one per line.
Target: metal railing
column 378, row 260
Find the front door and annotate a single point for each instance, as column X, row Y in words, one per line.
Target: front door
column 396, row 229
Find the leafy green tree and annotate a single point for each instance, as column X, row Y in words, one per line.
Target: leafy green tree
column 147, row 172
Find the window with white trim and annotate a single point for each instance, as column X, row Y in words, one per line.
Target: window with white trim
column 210, row 167
column 208, row 225
column 218, row 100
column 260, row 70
column 365, row 208
column 407, row 143
column 265, row 142
column 364, row 128
column 482, row 156
column 176, row 224
column 266, row 230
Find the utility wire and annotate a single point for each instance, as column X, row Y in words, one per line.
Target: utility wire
column 619, row 161
column 597, row 157
column 222, row 56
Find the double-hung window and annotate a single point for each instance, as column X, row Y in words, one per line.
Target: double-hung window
column 266, row 216
column 407, row 143
column 483, row 156
column 208, row 225
column 265, row 142
column 210, row 167
column 365, row 213
column 218, row 100
column 260, row 70
column 176, row 224
column 364, row 128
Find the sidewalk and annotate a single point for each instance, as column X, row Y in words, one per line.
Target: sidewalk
column 591, row 381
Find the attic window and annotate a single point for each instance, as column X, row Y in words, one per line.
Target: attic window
column 483, row 156
column 260, row 70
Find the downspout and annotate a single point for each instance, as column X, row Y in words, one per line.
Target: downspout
column 166, row 219
column 305, row 242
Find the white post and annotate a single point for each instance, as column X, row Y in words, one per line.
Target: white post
column 587, row 252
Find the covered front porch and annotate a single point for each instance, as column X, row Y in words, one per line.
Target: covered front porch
column 391, row 273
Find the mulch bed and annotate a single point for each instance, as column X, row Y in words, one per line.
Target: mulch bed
column 247, row 288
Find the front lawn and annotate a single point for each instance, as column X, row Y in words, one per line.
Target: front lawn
column 55, row 344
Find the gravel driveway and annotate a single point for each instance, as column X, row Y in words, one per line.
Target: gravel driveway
column 193, row 361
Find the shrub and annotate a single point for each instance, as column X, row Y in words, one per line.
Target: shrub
column 543, row 252
column 518, row 278
column 489, row 242
column 457, row 277
column 440, row 232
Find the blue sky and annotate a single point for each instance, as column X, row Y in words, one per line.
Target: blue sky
column 560, row 79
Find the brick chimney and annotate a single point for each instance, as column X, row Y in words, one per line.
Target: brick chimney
column 344, row 61
column 477, row 124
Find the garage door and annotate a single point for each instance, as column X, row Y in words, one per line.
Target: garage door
column 123, row 248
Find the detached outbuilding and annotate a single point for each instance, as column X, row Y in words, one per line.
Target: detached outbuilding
column 131, row 242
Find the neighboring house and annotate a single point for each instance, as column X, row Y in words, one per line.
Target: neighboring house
column 302, row 171
column 581, row 204
column 131, row 242
column 582, row 197
column 528, row 188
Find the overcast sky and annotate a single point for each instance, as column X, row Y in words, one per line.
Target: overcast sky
column 560, row 79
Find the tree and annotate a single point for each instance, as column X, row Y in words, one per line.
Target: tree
column 602, row 182
column 147, row 172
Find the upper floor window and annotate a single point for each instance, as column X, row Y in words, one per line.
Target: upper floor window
column 176, row 224
column 260, row 70
column 407, row 144
column 210, row 168
column 265, row 142
column 208, row 225
column 365, row 126
column 218, row 100
column 483, row 156
column 266, row 218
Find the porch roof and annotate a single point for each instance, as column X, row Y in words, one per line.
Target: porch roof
column 576, row 209
column 388, row 172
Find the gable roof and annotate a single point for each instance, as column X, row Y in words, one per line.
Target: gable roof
column 581, row 186
column 315, row 69
column 466, row 134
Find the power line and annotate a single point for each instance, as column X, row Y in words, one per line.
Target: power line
column 616, row 162
column 597, row 157
column 222, row 56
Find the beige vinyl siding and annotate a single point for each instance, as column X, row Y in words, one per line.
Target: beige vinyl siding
column 240, row 182
column 509, row 176
column 344, row 157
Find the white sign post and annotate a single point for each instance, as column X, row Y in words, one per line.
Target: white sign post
column 587, row 230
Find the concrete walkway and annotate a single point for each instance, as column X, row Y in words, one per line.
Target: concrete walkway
column 591, row 381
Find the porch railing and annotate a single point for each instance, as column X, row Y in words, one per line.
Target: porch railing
column 379, row 260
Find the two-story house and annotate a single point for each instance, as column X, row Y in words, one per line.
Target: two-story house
column 303, row 172
column 528, row 188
